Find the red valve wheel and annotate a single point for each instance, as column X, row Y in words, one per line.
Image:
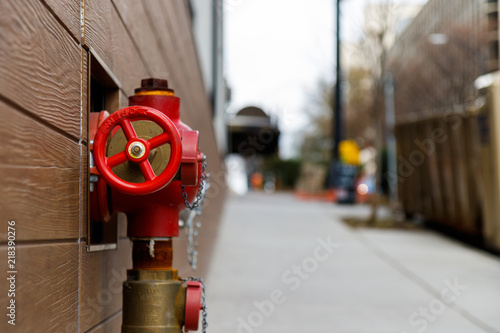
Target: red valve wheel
column 137, row 150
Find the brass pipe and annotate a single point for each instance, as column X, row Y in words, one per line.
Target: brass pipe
column 154, row 299
column 152, row 254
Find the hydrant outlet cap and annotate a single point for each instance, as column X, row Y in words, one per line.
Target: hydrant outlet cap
column 193, row 306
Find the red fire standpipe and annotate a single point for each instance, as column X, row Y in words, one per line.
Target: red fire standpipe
column 148, row 165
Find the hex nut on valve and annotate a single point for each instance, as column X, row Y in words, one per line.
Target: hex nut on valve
column 152, row 84
column 137, row 149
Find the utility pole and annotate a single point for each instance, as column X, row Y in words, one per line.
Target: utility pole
column 337, row 105
column 337, row 111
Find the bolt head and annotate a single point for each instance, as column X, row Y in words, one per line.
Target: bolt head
column 136, row 150
column 151, row 84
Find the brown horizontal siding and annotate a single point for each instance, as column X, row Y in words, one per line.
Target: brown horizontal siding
column 68, row 13
column 46, row 288
column 106, row 35
column 44, row 202
column 40, row 67
column 102, row 275
column 27, row 142
column 112, row 324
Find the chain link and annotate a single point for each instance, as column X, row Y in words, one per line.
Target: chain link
column 203, row 301
column 200, row 195
column 190, row 228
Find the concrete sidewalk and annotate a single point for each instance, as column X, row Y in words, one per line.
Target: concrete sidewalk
column 284, row 265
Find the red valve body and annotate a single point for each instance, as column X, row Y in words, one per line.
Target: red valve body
column 152, row 208
column 157, row 214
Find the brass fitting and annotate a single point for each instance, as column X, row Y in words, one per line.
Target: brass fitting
column 154, row 301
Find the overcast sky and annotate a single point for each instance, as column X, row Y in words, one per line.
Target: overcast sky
column 277, row 51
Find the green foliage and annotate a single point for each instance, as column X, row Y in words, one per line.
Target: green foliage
column 287, row 172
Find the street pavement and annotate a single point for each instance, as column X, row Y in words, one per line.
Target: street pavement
column 286, row 265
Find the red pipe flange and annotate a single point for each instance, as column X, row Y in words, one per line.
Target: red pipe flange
column 99, row 202
column 99, row 196
column 137, row 150
column 193, row 306
column 189, row 159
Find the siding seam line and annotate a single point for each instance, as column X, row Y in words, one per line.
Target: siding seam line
column 38, row 119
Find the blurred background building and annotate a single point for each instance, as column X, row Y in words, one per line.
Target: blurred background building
column 207, row 28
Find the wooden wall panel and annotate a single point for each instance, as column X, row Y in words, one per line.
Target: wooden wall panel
column 46, row 288
column 68, row 11
column 26, row 142
column 84, row 149
column 447, row 174
column 447, row 185
column 40, row 178
column 426, row 185
column 457, row 137
column 442, row 175
column 474, row 171
column 437, row 197
column 40, row 172
column 84, row 188
column 43, row 201
column 137, row 22
column 112, row 324
column 102, row 275
column 85, row 95
column 40, row 67
column 123, row 100
column 107, row 37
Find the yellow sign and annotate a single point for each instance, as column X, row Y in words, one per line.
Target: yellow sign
column 349, row 152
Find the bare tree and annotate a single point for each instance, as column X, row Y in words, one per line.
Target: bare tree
column 444, row 75
column 359, row 102
column 374, row 47
column 316, row 146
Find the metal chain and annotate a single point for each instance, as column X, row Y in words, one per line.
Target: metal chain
column 190, row 228
column 200, row 194
column 192, row 238
column 203, row 301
